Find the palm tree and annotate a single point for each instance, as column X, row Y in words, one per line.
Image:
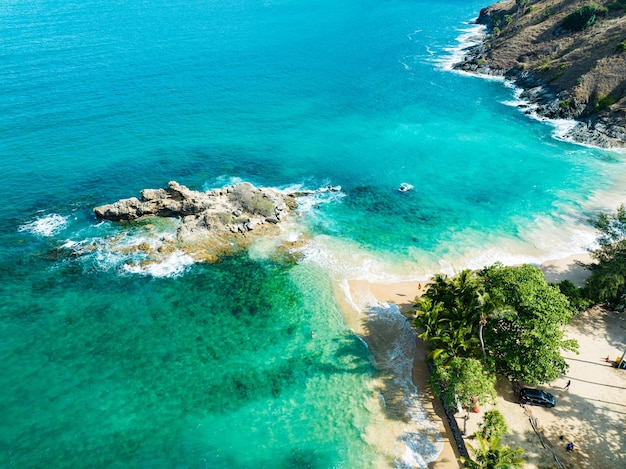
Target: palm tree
column 492, row 454
column 490, row 306
column 448, row 315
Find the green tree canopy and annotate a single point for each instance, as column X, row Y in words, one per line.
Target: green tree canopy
column 493, row 425
column 492, row 454
column 451, row 314
column 527, row 347
column 463, row 379
column 607, row 282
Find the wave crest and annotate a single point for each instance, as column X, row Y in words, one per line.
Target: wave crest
column 46, row 226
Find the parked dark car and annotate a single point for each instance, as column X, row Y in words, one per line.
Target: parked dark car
column 536, row 397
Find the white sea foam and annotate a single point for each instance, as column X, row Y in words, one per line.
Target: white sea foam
column 47, row 225
column 171, row 266
column 473, row 36
column 562, row 127
column 133, row 252
column 470, row 36
column 548, row 237
column 344, row 259
column 222, row 181
column 410, row 36
column 394, row 350
column 421, row 439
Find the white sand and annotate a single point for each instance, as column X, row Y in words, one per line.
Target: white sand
column 591, row 413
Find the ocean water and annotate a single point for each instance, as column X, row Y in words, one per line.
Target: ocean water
column 107, row 362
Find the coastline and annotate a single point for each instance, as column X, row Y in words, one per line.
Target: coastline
column 520, row 54
column 401, row 295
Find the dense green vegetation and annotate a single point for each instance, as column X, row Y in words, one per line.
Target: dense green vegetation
column 527, row 346
column 582, row 18
column 462, row 380
column 491, row 454
column 607, row 282
column 509, row 321
column 493, row 425
column 508, row 317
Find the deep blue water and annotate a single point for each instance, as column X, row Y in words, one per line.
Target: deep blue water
column 195, row 365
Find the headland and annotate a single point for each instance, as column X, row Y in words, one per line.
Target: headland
column 569, row 58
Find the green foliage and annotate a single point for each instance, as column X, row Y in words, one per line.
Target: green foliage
column 508, row 19
column 574, row 295
column 564, row 104
column 547, row 13
column 607, row 282
column 463, row 379
column 492, row 454
column 444, row 315
column 493, row 425
column 604, row 102
column 526, row 347
column 621, row 47
column 451, row 314
column 496, row 31
column 582, row 18
column 616, row 5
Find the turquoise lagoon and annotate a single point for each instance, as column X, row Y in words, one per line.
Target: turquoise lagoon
column 192, row 365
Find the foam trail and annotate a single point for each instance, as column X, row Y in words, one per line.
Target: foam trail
column 471, row 36
column 174, row 265
column 422, row 440
column 47, row 225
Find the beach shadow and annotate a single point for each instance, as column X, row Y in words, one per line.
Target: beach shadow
column 601, row 362
column 575, row 271
column 602, row 321
column 604, row 385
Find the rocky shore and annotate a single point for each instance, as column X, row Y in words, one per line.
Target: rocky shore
column 569, row 58
column 209, row 224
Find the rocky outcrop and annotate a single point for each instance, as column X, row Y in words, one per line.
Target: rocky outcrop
column 236, row 209
column 565, row 74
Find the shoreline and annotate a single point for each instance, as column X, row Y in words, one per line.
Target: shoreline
column 402, row 294
column 493, row 56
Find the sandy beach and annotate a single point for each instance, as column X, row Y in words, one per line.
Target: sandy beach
column 590, row 413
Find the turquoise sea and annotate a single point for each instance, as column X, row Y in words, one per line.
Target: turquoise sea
column 180, row 364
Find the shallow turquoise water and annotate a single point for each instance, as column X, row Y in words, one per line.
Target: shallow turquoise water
column 191, row 365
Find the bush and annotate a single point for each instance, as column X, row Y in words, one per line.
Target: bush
column 621, row 47
column 604, row 102
column 616, row 5
column 581, row 19
column 574, row 295
column 493, row 425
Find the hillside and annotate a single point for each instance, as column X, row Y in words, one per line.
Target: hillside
column 569, row 57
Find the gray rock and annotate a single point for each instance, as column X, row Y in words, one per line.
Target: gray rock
column 202, row 213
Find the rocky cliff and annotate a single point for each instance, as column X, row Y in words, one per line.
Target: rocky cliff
column 569, row 57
